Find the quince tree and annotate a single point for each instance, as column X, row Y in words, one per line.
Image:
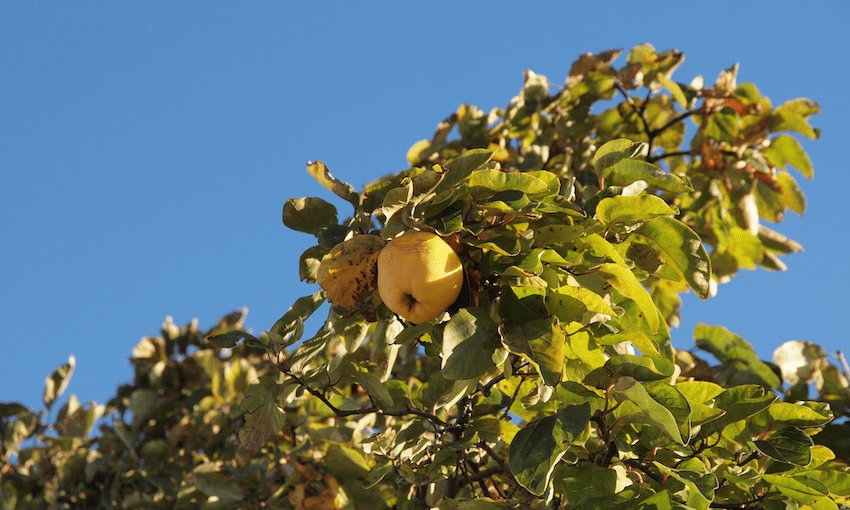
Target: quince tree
column 579, row 213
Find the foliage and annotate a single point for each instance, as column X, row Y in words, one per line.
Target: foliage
column 580, row 215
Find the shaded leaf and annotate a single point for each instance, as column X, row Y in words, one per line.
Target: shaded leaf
column 538, row 447
column 231, row 338
column 613, row 151
column 372, row 384
column 700, row 485
column 308, row 214
column 542, row 343
column 471, row 345
column 789, row 445
column 294, row 318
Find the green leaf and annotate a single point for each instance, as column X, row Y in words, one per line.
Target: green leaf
column 503, row 245
column 397, row 199
column 786, row 149
column 231, row 338
column 642, row 342
column 674, row 401
column 791, row 117
column 538, row 447
column 309, row 262
column 641, row 368
column 652, row 410
column 658, row 501
column 373, row 386
column 143, row 403
column 55, row 385
column 542, row 343
column 627, row 171
column 294, row 318
column 803, row 490
column 732, row 350
column 580, row 484
column 614, row 150
column 212, row 482
column 264, row 417
column 471, row 345
column 739, row 403
column 377, row 473
column 519, row 305
column 497, row 181
column 308, row 214
column 310, row 349
column 789, row 445
column 792, row 195
column 837, row 481
column 569, row 303
column 796, row 415
column 8, row 409
column 461, row 167
column 681, row 248
column 700, row 485
column 626, row 211
column 554, row 235
column 626, row 284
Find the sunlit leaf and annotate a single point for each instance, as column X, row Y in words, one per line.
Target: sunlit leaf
column 55, row 385
column 341, row 189
column 614, row 150
column 680, row 247
column 740, row 402
column 627, row 171
column 497, row 181
column 621, row 210
column 785, row 149
column 731, row 349
column 700, row 485
column 802, row 489
column 625, row 282
column 653, row 411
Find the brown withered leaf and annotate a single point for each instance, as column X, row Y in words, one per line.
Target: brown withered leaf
column 349, row 272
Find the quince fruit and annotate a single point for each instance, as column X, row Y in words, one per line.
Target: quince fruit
column 419, row 276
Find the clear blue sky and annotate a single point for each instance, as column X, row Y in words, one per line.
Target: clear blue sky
column 147, row 148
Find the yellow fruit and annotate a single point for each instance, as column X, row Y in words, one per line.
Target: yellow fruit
column 419, row 276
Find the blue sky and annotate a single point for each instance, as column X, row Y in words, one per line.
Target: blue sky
column 147, row 148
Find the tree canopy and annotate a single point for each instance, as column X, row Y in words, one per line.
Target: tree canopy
column 580, row 212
